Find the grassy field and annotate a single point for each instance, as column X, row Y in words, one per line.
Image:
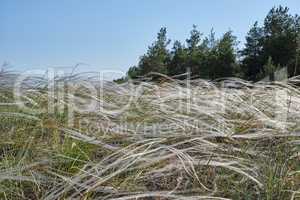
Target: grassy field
column 153, row 141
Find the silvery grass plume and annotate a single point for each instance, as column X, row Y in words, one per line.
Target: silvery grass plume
column 75, row 137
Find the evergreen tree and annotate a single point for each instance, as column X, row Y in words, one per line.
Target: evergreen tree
column 252, row 53
column 134, row 72
column 226, row 64
column 211, row 58
column 211, row 41
column 280, row 30
column 276, row 39
column 194, row 51
column 297, row 57
column 157, row 56
column 211, row 55
column 178, row 63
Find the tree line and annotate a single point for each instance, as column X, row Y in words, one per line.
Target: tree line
column 269, row 47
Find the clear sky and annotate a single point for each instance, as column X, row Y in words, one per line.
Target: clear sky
column 112, row 34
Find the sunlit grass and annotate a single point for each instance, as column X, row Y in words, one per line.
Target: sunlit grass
column 170, row 142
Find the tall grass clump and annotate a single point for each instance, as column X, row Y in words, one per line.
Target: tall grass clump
column 173, row 139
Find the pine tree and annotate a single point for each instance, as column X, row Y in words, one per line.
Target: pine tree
column 297, row 56
column 194, row 52
column 253, row 53
column 157, row 57
column 276, row 39
column 280, row 29
column 178, row 63
column 134, row 72
column 226, row 56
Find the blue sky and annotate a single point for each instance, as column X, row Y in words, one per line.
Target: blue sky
column 112, row 34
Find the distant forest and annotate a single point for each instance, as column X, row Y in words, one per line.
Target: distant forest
column 271, row 46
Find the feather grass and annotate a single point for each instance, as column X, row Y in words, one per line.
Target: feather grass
column 143, row 140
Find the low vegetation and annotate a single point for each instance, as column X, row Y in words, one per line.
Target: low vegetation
column 171, row 139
